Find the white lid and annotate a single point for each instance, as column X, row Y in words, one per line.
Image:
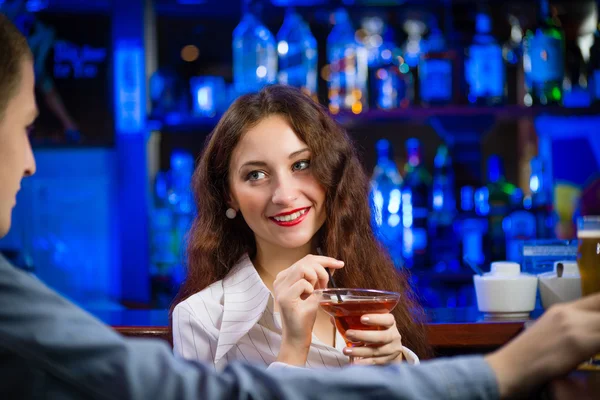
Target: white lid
column 505, row 268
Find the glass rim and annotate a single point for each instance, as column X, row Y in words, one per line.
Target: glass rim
column 342, row 291
column 590, row 218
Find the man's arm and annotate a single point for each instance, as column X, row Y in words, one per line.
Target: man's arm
column 68, row 352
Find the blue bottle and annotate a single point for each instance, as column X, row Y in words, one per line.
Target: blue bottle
column 386, row 185
column 297, row 49
column 518, row 226
column 540, row 184
column 444, row 251
column 436, row 70
column 544, row 59
column 254, row 52
column 391, row 83
column 415, row 207
column 348, row 67
column 484, row 67
column 472, row 225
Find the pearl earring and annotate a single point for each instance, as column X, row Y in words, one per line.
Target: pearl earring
column 230, row 213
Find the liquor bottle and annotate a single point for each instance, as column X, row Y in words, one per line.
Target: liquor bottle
column 593, row 67
column 512, row 52
column 348, row 67
column 575, row 91
column 484, row 67
column 297, row 49
column 544, row 58
column 182, row 206
column 436, row 71
column 386, row 186
column 414, row 46
column 391, row 83
column 499, row 201
column 444, row 249
column 471, row 227
column 540, row 184
column 254, row 52
column 518, row 226
column 415, row 206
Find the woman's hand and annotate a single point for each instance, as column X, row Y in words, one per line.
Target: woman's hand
column 562, row 338
column 292, row 290
column 381, row 347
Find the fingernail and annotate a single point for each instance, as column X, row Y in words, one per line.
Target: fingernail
column 347, row 350
column 340, row 262
column 350, row 334
column 364, row 319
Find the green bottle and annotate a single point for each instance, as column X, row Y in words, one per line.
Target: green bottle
column 500, row 192
column 544, row 59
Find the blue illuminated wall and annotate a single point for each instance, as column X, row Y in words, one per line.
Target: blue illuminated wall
column 65, row 224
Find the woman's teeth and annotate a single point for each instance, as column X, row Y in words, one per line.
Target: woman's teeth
column 290, row 217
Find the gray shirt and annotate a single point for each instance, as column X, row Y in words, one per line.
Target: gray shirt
column 50, row 348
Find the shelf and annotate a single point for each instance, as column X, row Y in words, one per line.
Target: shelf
column 191, row 124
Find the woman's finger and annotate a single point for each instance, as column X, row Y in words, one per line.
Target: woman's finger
column 300, row 289
column 385, row 320
column 308, row 273
column 371, row 337
column 326, row 262
column 391, row 349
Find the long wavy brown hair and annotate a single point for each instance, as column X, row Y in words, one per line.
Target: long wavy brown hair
column 216, row 243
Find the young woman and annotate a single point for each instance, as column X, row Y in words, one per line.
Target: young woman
column 279, row 181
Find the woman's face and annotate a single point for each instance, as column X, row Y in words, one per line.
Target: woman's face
column 272, row 185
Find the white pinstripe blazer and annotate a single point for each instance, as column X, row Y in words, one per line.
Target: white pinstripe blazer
column 233, row 319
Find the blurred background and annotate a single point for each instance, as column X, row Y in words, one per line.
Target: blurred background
column 478, row 121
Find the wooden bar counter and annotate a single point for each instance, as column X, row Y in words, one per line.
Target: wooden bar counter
column 451, row 331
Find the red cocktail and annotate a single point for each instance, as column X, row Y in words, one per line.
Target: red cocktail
column 347, row 306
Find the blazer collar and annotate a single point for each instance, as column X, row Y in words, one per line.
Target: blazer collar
column 245, row 299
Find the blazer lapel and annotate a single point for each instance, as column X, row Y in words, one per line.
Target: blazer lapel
column 245, row 299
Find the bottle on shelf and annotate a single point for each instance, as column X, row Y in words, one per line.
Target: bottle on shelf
column 254, row 51
column 484, row 66
column 499, row 204
column 348, row 67
column 386, row 190
column 415, row 207
column 414, row 46
column 540, row 184
column 512, row 52
column 436, row 71
column 182, row 206
column 297, row 49
column 575, row 91
column 471, row 227
column 518, row 226
column 593, row 67
column 544, row 59
column 444, row 249
column 391, row 83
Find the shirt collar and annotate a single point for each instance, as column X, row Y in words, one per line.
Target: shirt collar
column 245, row 300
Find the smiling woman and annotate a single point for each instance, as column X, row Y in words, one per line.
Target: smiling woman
column 279, row 179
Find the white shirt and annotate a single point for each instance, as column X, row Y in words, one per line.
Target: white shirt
column 233, row 319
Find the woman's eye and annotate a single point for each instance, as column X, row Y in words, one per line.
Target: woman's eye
column 255, row 175
column 301, row 165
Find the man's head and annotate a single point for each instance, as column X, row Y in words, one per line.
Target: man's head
column 17, row 112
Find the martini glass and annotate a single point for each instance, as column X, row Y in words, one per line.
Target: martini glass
column 347, row 306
